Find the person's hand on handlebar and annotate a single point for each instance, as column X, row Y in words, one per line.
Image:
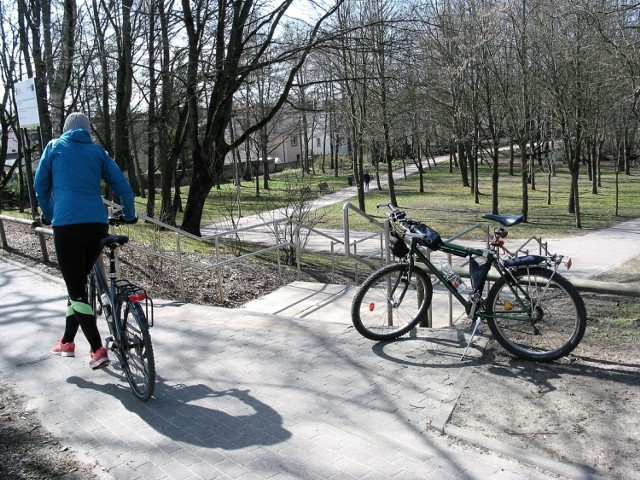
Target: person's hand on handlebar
column 118, row 219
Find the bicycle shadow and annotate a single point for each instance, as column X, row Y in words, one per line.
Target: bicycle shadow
column 196, row 414
column 436, row 349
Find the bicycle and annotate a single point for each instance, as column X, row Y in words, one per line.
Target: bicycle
column 532, row 310
column 127, row 308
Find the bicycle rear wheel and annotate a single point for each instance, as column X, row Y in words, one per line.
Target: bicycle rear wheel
column 391, row 302
column 136, row 349
column 548, row 327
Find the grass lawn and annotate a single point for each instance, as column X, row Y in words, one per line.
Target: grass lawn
column 449, row 208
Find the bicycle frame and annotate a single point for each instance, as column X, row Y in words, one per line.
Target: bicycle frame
column 109, row 288
column 469, row 303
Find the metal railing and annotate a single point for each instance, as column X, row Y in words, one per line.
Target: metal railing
column 267, row 231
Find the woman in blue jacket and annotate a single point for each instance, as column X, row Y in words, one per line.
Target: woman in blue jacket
column 68, row 188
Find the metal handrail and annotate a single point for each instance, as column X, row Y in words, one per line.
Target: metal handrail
column 347, row 238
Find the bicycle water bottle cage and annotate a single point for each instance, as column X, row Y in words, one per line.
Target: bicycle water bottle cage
column 506, row 220
column 429, row 238
column 112, row 241
column 525, row 261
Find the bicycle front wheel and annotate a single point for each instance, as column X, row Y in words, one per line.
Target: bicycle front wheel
column 391, row 302
column 540, row 318
column 136, row 349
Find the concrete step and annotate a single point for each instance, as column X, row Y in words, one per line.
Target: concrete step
column 332, row 303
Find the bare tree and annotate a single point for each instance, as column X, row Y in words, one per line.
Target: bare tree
column 233, row 61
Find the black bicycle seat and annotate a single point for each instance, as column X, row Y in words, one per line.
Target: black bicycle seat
column 113, row 241
column 506, row 220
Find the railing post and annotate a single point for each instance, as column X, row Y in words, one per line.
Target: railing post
column 429, row 322
column 333, row 262
column 355, row 267
column 181, row 279
column 449, row 259
column 43, row 243
column 297, row 244
column 3, row 236
column 219, row 269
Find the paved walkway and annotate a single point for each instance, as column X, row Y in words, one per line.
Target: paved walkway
column 246, row 395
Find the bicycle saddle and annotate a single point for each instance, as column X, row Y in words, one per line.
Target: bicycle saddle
column 506, row 220
column 113, row 241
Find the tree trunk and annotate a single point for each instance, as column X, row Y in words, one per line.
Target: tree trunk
column 151, row 119
column 525, row 185
column 124, row 79
column 59, row 77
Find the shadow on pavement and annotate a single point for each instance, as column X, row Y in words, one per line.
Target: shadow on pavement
column 196, row 414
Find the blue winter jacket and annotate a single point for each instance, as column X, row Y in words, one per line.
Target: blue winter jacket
column 68, row 181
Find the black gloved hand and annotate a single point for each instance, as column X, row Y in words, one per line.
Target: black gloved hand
column 118, row 219
column 44, row 220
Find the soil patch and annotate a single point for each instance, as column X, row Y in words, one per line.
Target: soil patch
column 583, row 409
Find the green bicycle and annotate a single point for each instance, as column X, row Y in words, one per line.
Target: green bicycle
column 532, row 311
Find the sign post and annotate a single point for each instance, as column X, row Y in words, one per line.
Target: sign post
column 28, row 117
column 27, row 103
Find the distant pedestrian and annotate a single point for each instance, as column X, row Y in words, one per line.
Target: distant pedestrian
column 367, row 180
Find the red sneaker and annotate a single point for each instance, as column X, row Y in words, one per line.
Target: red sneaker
column 64, row 349
column 99, row 359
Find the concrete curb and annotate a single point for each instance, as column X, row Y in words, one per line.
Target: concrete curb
column 522, row 455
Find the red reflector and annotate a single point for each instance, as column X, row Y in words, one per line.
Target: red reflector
column 137, row 297
column 372, row 306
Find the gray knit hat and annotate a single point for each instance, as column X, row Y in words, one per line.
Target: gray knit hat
column 77, row 120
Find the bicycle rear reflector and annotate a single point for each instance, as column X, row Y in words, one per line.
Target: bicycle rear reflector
column 137, row 297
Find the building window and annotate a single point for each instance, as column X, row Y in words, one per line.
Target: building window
column 294, row 141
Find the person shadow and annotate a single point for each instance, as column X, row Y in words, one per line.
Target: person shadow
column 228, row 419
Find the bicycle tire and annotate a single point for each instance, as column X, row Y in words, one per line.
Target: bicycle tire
column 559, row 316
column 136, row 349
column 379, row 316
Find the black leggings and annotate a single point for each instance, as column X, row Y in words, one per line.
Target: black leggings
column 78, row 248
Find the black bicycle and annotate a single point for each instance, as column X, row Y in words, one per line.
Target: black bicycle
column 129, row 315
column 532, row 311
